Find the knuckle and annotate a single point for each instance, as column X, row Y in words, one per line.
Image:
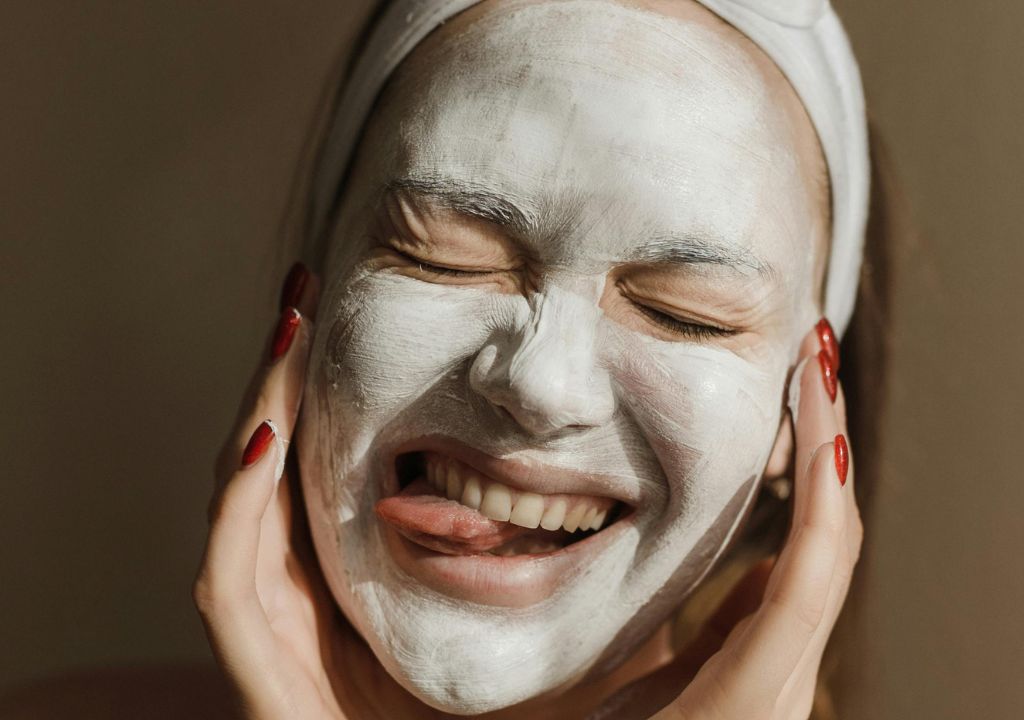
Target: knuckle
column 805, row 613
column 808, row 614
column 857, row 521
column 827, row 526
column 204, row 596
column 211, row 598
column 856, row 531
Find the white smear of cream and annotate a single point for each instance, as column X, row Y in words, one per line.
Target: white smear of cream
column 793, row 397
column 282, row 451
column 615, row 127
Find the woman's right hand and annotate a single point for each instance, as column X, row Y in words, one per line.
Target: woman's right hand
column 275, row 631
column 260, row 607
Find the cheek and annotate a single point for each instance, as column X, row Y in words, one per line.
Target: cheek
column 389, row 338
column 709, row 416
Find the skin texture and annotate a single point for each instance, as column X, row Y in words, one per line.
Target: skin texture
column 628, row 307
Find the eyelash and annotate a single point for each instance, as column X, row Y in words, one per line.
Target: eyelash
column 439, row 269
column 688, row 329
column 450, row 272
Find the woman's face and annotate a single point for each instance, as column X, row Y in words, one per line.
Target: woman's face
column 575, row 259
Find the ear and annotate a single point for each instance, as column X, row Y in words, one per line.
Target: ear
column 782, row 451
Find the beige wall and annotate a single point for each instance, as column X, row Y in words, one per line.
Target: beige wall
column 946, row 83
column 147, row 151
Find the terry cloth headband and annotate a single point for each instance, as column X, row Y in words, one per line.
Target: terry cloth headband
column 803, row 37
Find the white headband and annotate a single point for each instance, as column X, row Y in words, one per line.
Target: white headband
column 803, row 37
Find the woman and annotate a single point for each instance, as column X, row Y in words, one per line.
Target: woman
column 570, row 322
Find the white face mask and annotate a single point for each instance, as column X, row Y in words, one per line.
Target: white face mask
column 620, row 185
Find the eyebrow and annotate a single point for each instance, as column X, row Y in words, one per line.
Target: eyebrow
column 700, row 249
column 479, row 201
column 471, row 199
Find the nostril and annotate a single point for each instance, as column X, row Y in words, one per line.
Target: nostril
column 544, row 381
column 481, row 370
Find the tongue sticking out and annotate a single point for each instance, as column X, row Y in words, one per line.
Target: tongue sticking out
column 447, row 526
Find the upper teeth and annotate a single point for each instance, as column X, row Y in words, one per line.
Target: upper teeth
column 500, row 502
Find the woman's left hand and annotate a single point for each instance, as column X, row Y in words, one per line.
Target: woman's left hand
column 759, row 656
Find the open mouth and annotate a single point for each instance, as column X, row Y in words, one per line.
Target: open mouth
column 447, row 506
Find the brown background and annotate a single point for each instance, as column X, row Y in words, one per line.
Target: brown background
column 147, row 152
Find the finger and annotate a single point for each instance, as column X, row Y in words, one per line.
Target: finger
column 816, row 428
column 799, row 690
column 277, row 399
column 813, row 393
column 300, row 291
column 796, row 599
column 854, row 527
column 224, row 590
column 225, row 593
column 853, row 537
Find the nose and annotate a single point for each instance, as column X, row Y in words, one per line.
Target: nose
column 546, row 373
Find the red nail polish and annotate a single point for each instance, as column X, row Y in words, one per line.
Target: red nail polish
column 294, row 285
column 827, row 340
column 258, row 444
column 828, row 373
column 285, row 333
column 842, row 458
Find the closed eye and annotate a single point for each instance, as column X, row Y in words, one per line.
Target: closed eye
column 441, row 270
column 684, row 328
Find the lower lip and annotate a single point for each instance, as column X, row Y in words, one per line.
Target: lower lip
column 514, row 581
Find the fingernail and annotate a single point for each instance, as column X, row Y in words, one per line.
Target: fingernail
column 258, row 444
column 842, row 458
column 827, row 340
column 828, row 374
column 285, row 333
column 294, row 285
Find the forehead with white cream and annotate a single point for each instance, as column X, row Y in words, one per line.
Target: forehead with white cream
column 622, row 128
column 586, row 136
